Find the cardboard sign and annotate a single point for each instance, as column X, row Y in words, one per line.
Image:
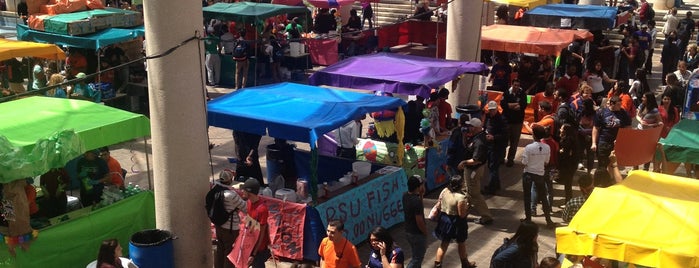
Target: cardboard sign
column 636, row 147
column 244, row 244
column 375, row 203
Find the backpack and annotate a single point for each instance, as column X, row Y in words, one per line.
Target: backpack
column 240, row 52
column 650, row 13
column 565, row 117
column 215, row 208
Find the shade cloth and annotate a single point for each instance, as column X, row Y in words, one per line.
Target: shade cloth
column 649, row 219
column 523, row 3
column 293, row 111
column 40, row 133
column 572, row 16
column 11, row 48
column 527, row 39
column 395, row 73
column 249, row 12
column 682, row 143
column 91, row 41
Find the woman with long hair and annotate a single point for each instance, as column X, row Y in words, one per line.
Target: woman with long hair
column 109, row 254
column 639, row 86
column 452, row 223
column 58, row 92
column 670, row 116
column 569, row 156
column 596, row 77
column 519, row 251
column 384, row 253
column 648, row 115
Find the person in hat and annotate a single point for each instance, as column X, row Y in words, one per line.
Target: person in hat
column 257, row 210
column 415, row 227
column 496, row 138
column 476, row 156
column 228, row 232
column 82, row 91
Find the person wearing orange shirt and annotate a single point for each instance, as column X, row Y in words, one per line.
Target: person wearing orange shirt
column 546, row 115
column 116, row 173
column 621, row 89
column 546, row 95
column 335, row 250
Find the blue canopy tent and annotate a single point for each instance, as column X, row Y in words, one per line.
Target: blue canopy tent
column 294, row 112
column 572, row 16
column 91, row 41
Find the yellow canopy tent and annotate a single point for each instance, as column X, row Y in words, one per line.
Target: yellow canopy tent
column 11, row 49
column 649, row 219
column 526, row 3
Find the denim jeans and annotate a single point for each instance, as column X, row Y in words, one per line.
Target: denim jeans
column 548, row 193
column 418, row 246
column 527, row 180
column 495, row 156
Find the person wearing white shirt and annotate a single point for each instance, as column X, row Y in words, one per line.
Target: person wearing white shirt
column 347, row 136
column 671, row 21
column 535, row 158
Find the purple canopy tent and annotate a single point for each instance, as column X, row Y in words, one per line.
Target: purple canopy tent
column 395, row 73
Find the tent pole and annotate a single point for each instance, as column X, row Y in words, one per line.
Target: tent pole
column 145, row 150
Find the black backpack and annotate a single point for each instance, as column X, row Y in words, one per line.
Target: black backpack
column 564, row 117
column 215, row 208
column 650, row 13
column 240, row 52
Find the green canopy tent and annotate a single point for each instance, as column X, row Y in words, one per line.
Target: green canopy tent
column 248, row 12
column 41, row 133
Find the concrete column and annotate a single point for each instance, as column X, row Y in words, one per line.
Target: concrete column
column 489, row 13
column 178, row 128
column 464, row 43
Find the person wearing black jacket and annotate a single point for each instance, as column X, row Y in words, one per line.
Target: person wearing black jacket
column 496, row 137
column 513, row 103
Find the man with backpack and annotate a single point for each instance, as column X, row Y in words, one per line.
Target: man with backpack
column 645, row 12
column 240, row 56
column 222, row 206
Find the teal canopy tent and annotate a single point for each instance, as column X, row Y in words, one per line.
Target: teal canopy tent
column 249, row 12
column 40, row 133
column 682, row 143
column 91, row 41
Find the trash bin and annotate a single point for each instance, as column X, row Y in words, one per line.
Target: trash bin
column 152, row 249
column 472, row 110
column 280, row 161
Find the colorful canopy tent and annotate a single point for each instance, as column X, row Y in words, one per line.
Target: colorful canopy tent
column 523, row 3
column 249, row 12
column 11, row 48
column 293, row 111
column 330, row 3
column 40, row 133
column 682, row 143
column 91, row 41
column 526, row 39
column 649, row 219
column 395, row 73
column 572, row 16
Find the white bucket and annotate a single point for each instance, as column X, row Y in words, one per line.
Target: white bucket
column 286, row 193
column 296, row 49
column 362, row 169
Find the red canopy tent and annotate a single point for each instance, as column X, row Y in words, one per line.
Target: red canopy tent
column 526, row 39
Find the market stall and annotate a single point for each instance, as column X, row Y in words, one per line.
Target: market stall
column 13, row 49
column 303, row 113
column 648, row 219
column 251, row 13
column 681, row 145
column 572, row 16
column 399, row 74
column 41, row 133
column 527, row 39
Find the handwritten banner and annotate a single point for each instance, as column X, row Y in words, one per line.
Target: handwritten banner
column 374, row 203
column 286, row 220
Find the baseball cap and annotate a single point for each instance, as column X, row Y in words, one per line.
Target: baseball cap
column 474, row 122
column 492, row 105
column 414, row 182
column 226, row 175
column 252, row 186
column 80, row 75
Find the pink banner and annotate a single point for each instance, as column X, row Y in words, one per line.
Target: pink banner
column 636, row 147
column 286, row 221
column 249, row 232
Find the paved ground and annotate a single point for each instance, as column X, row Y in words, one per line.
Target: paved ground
column 507, row 206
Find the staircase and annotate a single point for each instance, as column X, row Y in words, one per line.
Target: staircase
column 390, row 11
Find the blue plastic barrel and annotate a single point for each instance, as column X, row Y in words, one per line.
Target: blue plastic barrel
column 152, row 249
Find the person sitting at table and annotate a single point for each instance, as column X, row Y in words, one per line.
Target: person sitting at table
column 53, row 184
column 38, row 77
column 116, row 173
column 93, row 172
column 106, row 76
column 354, row 23
column 57, row 92
column 324, row 22
column 82, row 91
column 423, row 12
column 75, row 63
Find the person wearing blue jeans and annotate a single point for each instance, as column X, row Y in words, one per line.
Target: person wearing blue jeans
column 535, row 157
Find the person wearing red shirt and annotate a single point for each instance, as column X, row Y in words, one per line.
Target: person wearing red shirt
column 257, row 210
column 546, row 95
column 116, row 173
column 444, row 109
column 570, row 81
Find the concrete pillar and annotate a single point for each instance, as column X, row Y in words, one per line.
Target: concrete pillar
column 464, row 43
column 178, row 128
column 489, row 13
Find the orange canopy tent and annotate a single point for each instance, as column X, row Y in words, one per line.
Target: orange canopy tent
column 526, row 39
column 11, row 48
